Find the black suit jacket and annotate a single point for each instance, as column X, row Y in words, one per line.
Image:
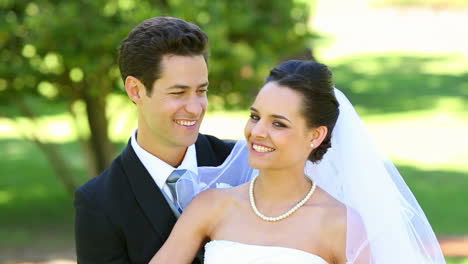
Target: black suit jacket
column 122, row 216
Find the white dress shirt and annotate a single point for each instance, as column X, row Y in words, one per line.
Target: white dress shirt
column 160, row 170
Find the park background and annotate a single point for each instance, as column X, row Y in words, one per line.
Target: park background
column 64, row 116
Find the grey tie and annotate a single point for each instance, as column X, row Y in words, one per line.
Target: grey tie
column 171, row 183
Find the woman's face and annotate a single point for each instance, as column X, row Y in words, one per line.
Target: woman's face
column 277, row 132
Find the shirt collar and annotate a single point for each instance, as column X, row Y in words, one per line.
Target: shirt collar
column 160, row 170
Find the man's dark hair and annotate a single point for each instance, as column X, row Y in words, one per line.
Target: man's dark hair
column 141, row 53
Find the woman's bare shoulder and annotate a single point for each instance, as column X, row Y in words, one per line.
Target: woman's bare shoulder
column 340, row 216
column 334, row 211
column 333, row 225
column 217, row 200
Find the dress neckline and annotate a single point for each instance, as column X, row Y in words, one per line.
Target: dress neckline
column 265, row 246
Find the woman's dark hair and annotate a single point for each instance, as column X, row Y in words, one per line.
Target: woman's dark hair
column 314, row 82
column 140, row 54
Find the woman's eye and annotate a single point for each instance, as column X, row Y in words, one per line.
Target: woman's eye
column 254, row 117
column 202, row 91
column 278, row 124
column 177, row 93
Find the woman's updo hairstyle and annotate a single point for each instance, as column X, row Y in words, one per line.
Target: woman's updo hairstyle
column 314, row 82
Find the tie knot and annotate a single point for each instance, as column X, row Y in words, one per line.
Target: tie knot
column 175, row 176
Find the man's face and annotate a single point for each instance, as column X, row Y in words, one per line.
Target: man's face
column 172, row 114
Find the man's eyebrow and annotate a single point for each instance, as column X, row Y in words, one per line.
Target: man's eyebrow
column 275, row 116
column 181, row 86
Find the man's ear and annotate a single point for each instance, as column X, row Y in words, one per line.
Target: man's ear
column 318, row 135
column 134, row 89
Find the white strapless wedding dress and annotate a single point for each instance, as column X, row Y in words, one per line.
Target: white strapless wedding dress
column 230, row 252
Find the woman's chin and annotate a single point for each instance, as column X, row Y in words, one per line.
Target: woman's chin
column 260, row 164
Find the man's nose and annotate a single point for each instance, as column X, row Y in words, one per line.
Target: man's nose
column 195, row 105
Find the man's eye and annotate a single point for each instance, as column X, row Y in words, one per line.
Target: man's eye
column 177, row 93
column 254, row 117
column 202, row 91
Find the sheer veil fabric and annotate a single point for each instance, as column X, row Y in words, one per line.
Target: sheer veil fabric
column 385, row 223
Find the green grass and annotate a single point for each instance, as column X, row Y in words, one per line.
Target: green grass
column 34, row 207
column 402, row 83
column 457, row 260
column 442, row 196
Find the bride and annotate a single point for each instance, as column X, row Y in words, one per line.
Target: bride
column 319, row 191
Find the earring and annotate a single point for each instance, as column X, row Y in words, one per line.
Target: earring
column 311, row 145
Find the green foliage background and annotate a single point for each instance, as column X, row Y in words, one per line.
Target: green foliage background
column 60, row 50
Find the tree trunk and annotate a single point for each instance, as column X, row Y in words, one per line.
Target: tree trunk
column 101, row 146
column 85, row 145
column 63, row 172
column 51, row 152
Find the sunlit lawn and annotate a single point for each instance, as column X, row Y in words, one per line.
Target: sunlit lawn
column 457, row 260
column 34, row 208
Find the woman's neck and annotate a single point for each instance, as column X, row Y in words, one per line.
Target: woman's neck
column 281, row 186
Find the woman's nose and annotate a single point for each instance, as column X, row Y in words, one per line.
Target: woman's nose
column 259, row 129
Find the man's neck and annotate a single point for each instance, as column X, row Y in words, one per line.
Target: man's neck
column 169, row 154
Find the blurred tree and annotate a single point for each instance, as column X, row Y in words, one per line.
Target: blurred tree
column 248, row 38
column 64, row 53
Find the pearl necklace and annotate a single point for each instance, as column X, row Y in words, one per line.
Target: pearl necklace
column 280, row 217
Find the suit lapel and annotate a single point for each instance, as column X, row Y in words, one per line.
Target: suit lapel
column 147, row 194
column 205, row 154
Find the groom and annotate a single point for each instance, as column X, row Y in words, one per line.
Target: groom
column 125, row 214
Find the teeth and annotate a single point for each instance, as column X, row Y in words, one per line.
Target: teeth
column 186, row 123
column 262, row 148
